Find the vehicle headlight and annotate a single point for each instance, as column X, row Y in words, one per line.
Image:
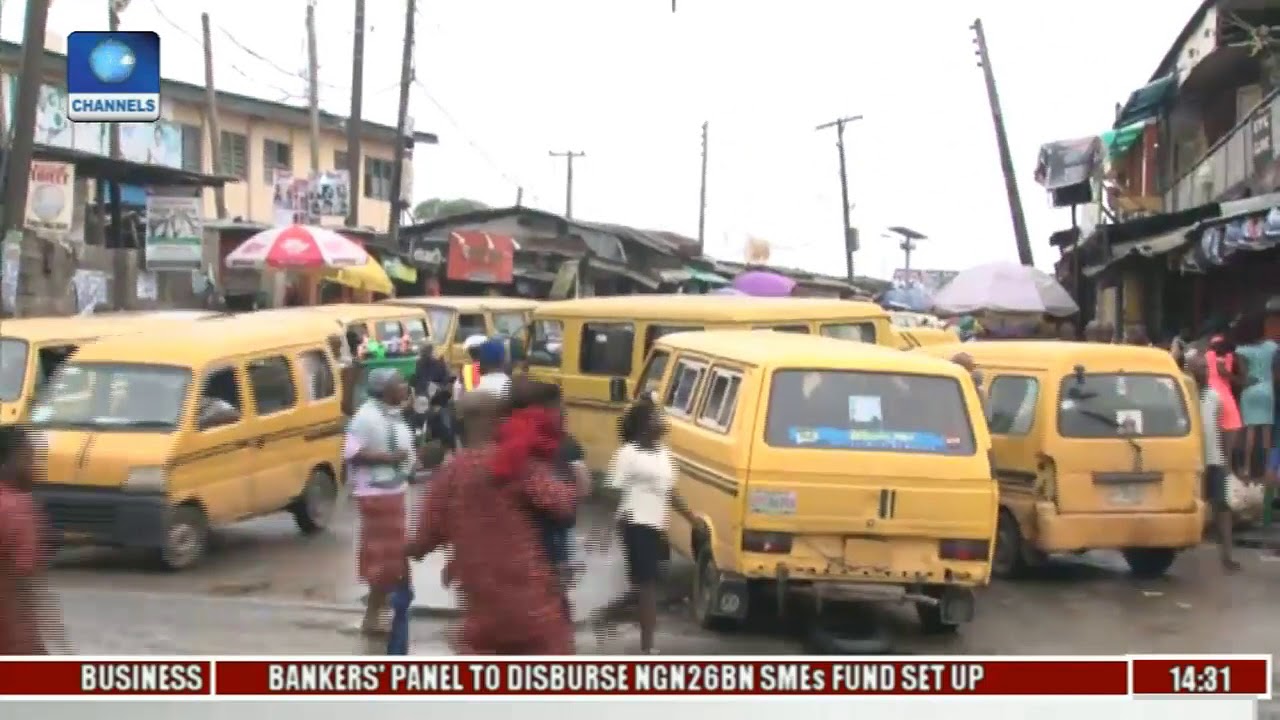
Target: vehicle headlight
column 145, row 479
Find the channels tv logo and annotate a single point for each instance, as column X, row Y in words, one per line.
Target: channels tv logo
column 113, row 76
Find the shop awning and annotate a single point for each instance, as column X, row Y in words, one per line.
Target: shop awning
column 1118, row 141
column 709, row 278
column 1153, row 246
column 1148, row 101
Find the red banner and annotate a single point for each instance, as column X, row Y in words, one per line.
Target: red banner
column 1239, row 676
column 481, row 257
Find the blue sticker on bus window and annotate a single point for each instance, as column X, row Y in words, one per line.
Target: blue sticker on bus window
column 871, row 439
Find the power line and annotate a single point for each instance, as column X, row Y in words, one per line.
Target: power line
column 484, row 155
column 288, row 94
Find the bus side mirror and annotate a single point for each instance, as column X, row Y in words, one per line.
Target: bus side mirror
column 617, row 389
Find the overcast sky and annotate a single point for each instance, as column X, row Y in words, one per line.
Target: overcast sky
column 502, row 82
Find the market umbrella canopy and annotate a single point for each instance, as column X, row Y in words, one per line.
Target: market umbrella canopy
column 1006, row 288
column 726, row 291
column 370, row 276
column 297, row 247
column 913, row 298
column 764, row 284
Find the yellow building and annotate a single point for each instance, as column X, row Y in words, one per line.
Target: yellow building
column 258, row 138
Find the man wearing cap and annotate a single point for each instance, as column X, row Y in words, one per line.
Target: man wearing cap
column 470, row 376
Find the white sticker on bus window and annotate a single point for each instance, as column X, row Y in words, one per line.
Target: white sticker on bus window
column 865, row 409
column 1129, row 421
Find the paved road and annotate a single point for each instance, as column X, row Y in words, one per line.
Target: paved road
column 1078, row 605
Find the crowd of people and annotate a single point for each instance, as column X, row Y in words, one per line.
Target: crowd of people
column 502, row 506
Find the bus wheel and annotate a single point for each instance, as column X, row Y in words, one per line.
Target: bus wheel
column 1149, row 563
column 1008, row 560
column 186, row 538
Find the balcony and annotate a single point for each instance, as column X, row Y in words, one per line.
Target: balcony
column 1234, row 160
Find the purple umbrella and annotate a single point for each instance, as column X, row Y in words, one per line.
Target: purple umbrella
column 764, row 284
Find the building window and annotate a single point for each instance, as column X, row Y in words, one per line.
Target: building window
column 340, row 160
column 275, row 156
column 234, row 149
column 192, row 147
column 377, row 178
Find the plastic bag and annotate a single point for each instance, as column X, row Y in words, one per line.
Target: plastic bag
column 1244, row 499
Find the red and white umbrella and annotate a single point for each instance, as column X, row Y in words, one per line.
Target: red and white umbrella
column 297, row 247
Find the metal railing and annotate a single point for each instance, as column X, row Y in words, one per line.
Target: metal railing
column 1229, row 162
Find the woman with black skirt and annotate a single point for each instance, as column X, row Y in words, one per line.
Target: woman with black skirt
column 643, row 474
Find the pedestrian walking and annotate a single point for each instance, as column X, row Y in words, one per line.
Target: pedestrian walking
column 643, row 473
column 379, row 449
column 511, row 598
column 1215, row 460
column 469, row 377
column 1257, row 398
column 30, row 621
column 1224, row 373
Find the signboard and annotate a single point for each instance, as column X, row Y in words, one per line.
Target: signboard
column 481, row 257
column 329, row 194
column 289, row 198
column 50, row 199
column 113, row 76
column 175, row 233
column 1263, row 151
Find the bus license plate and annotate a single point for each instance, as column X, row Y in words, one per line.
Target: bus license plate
column 1126, row 495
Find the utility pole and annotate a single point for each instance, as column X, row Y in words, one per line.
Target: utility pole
column 120, row 257
column 313, row 81
column 354, row 120
column 850, row 234
column 397, row 171
column 702, row 193
column 18, row 157
column 211, row 117
column 519, row 197
column 568, row 155
column 1002, row 143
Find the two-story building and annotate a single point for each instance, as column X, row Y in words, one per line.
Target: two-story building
column 257, row 138
column 1186, row 179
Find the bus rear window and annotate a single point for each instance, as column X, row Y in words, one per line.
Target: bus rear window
column 1102, row 405
column 850, row 410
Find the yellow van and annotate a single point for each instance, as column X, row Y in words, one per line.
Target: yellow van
column 454, row 319
column 31, row 349
column 844, row 472
column 914, row 337
column 1096, row 447
column 385, row 323
column 595, row 347
column 153, row 439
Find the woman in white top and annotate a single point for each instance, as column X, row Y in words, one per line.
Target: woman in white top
column 643, row 473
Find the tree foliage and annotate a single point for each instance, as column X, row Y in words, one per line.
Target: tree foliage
column 436, row 208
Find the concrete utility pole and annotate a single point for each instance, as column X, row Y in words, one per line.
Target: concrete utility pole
column 850, row 234
column 568, row 155
column 702, row 193
column 1002, row 142
column 519, row 197
column 354, row 120
column 211, row 120
column 313, row 82
column 402, row 119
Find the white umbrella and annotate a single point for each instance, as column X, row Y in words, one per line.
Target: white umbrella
column 1006, row 288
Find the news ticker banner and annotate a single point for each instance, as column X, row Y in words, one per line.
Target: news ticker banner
column 1236, row 676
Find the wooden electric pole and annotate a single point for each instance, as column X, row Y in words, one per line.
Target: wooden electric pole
column 702, row 192
column 1002, row 143
column 850, row 234
column 568, row 155
column 120, row 290
column 211, row 120
column 354, row 120
column 313, row 89
column 402, row 119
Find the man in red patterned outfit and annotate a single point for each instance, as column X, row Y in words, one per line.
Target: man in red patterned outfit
column 510, row 592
